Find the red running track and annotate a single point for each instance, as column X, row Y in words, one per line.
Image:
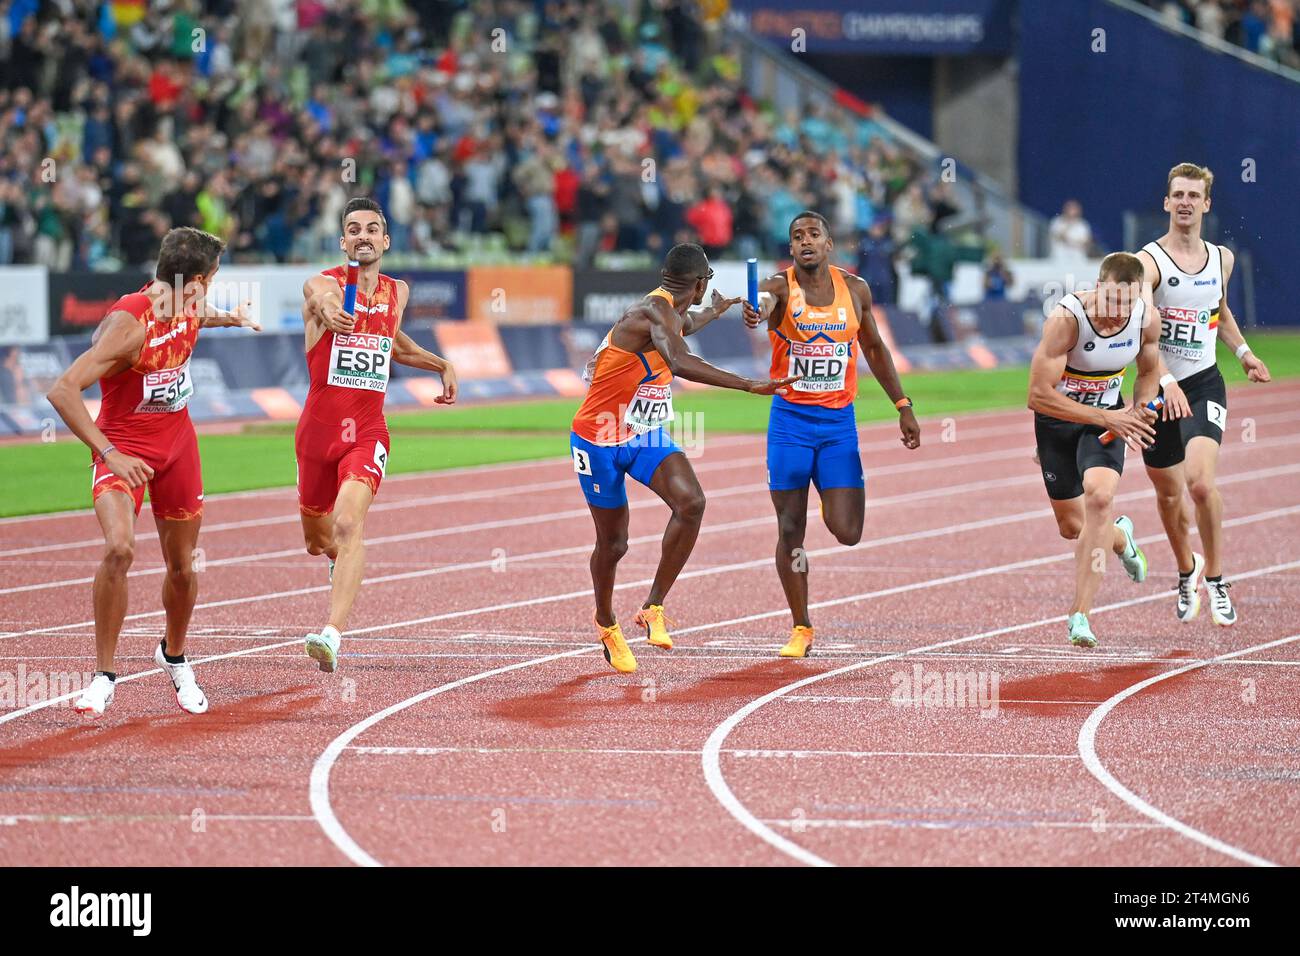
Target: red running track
column 474, row 722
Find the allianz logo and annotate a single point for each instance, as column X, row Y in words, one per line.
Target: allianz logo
column 1120, row 345
column 1214, row 281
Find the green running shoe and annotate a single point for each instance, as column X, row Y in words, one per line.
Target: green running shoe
column 1080, row 632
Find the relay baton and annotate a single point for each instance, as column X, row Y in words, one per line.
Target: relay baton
column 751, row 266
column 350, row 290
column 1155, row 405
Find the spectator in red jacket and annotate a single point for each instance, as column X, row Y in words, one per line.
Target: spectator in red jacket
column 712, row 221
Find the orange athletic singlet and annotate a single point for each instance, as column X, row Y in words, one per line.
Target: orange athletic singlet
column 817, row 342
column 630, row 394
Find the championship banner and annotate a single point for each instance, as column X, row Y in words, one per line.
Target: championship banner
column 436, row 295
column 24, row 305
column 78, row 301
column 520, row 295
column 474, row 348
column 603, row 296
column 904, row 27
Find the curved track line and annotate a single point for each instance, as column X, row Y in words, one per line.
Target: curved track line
column 1088, row 751
column 318, row 788
column 710, row 758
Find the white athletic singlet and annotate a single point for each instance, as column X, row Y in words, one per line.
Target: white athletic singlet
column 1189, row 310
column 1094, row 368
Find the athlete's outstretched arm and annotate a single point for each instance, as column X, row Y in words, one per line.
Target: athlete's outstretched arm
column 1230, row 332
column 115, row 346
column 699, row 319
column 240, row 317
column 881, row 360
column 407, row 352
column 1060, row 332
column 323, row 305
column 668, row 342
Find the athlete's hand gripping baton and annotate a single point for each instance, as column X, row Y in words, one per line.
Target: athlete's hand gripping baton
column 1154, row 405
column 350, row 290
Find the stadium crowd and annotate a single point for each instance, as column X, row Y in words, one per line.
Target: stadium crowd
column 1270, row 28
column 562, row 129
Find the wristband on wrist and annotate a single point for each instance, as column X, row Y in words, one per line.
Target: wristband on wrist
column 1242, row 349
column 903, row 403
column 102, row 456
column 1167, row 379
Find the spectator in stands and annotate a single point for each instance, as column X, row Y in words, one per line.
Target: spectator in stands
column 712, row 221
column 429, row 114
column 1070, row 234
column 997, row 279
column 876, row 254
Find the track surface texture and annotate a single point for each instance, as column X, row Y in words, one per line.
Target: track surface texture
column 474, row 721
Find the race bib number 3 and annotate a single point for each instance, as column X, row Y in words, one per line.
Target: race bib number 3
column 361, row 361
column 821, row 365
column 167, row 390
column 651, row 406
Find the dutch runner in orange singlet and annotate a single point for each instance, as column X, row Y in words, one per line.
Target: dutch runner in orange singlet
column 620, row 430
column 143, row 436
column 819, row 319
column 342, row 438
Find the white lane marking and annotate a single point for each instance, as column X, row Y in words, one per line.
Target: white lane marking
column 1087, row 746
column 928, row 824
column 991, row 484
column 1243, row 400
column 567, row 483
column 558, row 460
column 633, row 752
column 720, row 569
column 713, row 746
column 1002, row 454
column 318, row 785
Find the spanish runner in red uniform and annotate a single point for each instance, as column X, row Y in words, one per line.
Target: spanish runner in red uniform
column 619, row 430
column 819, row 319
column 342, row 438
column 142, row 437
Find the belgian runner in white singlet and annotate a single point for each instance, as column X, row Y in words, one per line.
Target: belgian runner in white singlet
column 1075, row 384
column 1189, row 278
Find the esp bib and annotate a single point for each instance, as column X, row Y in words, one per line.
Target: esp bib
column 361, row 361
column 164, row 391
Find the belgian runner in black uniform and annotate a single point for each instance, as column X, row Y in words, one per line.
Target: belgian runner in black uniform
column 1075, row 384
column 1189, row 281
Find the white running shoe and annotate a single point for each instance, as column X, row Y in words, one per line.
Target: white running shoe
column 1188, row 588
column 94, row 700
column 323, row 648
column 1221, row 609
column 188, row 693
column 1134, row 561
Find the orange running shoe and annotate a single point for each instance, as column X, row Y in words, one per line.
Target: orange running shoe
column 616, row 650
column 800, row 643
column 656, row 626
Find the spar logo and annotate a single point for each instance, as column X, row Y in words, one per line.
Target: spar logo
column 74, row 909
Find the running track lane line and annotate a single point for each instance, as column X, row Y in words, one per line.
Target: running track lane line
column 318, row 788
column 726, row 440
column 733, row 491
column 506, row 491
column 686, row 575
column 1088, row 751
column 711, row 761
